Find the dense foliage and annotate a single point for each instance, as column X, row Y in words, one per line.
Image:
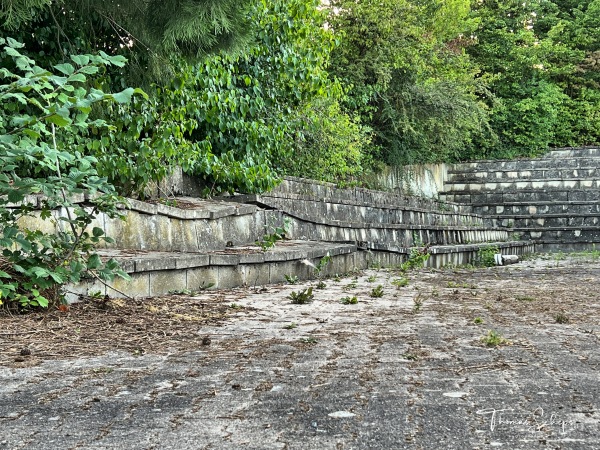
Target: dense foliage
column 539, row 59
column 439, row 82
column 38, row 108
column 409, row 77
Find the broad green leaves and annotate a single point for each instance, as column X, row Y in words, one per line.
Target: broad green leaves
column 40, row 113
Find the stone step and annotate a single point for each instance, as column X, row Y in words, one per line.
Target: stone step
column 352, row 214
column 557, row 235
column 539, row 208
column 525, row 164
column 521, row 184
column 303, row 189
column 392, row 236
column 588, row 173
column 545, row 221
column 574, row 152
column 185, row 225
column 159, row 273
column 558, row 196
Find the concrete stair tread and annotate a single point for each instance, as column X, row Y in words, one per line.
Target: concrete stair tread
column 542, row 215
column 538, row 203
column 144, row 261
column 525, row 186
column 558, row 228
column 265, row 200
column 472, row 171
column 158, row 273
column 190, row 208
column 477, row 181
column 391, row 226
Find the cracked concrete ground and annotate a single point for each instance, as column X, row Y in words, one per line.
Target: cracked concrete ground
column 416, row 368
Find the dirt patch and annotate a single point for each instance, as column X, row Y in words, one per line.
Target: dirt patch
column 94, row 327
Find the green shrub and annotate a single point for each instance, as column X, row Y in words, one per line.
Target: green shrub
column 39, row 111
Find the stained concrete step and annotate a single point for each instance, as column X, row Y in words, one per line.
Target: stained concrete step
column 539, row 208
column 303, row 189
column 524, row 175
column 547, row 184
column 559, row 196
column 525, row 164
column 352, row 214
column 193, row 225
column 574, row 152
column 391, row 234
column 545, row 221
column 159, row 273
column 558, row 235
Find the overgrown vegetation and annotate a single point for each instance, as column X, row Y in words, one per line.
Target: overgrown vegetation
column 416, row 259
column 494, row 339
column 486, row 256
column 302, row 297
column 40, row 176
column 272, row 236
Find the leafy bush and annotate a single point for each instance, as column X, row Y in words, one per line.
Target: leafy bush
column 38, row 111
column 486, row 256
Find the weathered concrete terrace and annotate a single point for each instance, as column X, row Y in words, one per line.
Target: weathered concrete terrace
column 410, row 369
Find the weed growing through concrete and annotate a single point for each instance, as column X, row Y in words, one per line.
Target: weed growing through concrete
column 302, row 297
column 494, row 339
column 291, row 279
column 349, row 300
column 410, row 356
column 291, row 326
column 561, row 318
column 416, row 259
column 371, row 279
column 321, row 285
column 377, row 292
column 276, row 234
column 486, row 256
column 400, row 282
column 525, row 298
column 236, row 306
column 418, row 303
column 352, row 285
column 323, row 262
column 478, row 320
column 310, row 340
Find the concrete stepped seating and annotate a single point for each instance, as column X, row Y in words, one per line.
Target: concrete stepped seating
column 186, row 243
column 158, row 273
column 515, row 195
column 545, row 220
column 372, row 218
column 304, row 189
column 499, row 176
column 529, row 209
column 553, row 200
column 515, row 165
column 574, row 152
column 546, row 184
